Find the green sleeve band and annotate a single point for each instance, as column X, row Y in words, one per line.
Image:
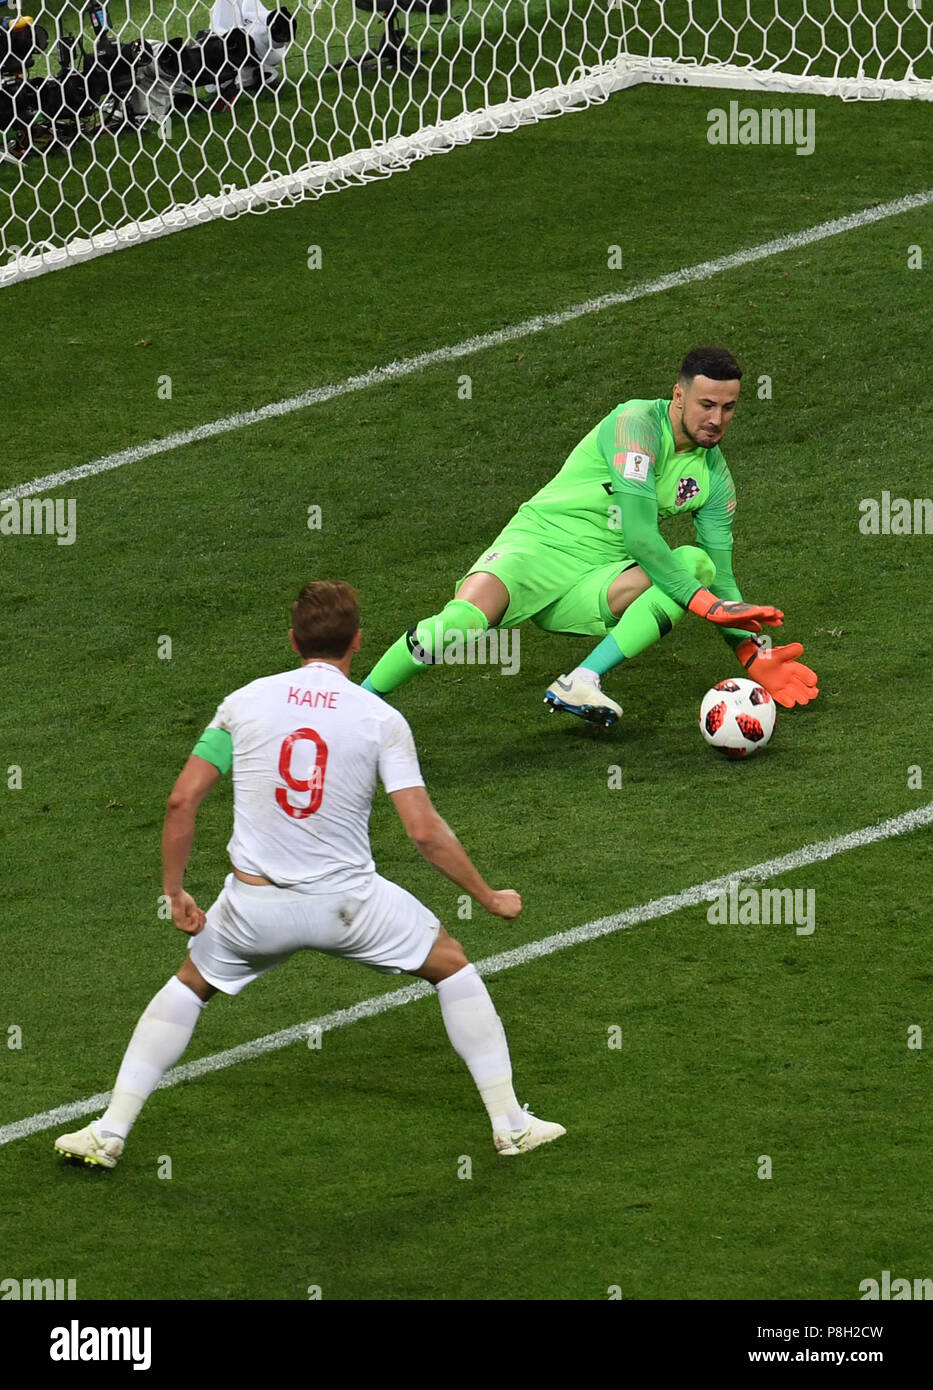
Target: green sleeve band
column 215, row 746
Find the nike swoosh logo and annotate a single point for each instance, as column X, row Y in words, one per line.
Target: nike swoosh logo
column 564, row 685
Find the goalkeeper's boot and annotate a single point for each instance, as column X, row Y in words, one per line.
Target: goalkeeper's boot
column 91, row 1146
column 583, row 696
column 519, row 1141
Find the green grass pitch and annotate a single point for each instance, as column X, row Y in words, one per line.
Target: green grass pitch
column 341, row 1167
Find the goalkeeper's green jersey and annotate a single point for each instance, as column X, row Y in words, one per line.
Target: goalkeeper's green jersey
column 606, row 501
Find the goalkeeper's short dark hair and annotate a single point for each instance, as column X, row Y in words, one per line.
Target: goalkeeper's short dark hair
column 714, row 362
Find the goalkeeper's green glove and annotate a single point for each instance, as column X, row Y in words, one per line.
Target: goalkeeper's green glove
column 785, row 678
column 732, row 613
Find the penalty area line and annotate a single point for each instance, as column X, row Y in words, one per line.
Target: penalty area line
column 409, row 366
column 520, row 955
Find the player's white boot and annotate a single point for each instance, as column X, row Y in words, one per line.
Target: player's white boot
column 91, row 1146
column 583, row 696
column 519, row 1141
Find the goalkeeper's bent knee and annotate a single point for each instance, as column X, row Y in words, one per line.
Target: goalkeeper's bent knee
column 697, row 562
column 654, row 613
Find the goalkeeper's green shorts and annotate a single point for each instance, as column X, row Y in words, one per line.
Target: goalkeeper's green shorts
column 554, row 589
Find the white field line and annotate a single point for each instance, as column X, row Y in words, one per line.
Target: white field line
column 521, row 955
column 395, row 371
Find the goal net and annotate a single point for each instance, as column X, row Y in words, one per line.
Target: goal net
column 124, row 120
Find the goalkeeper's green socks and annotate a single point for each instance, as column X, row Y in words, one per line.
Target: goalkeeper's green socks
column 648, row 618
column 393, row 668
column 423, row 646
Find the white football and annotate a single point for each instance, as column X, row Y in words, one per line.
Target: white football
column 737, row 716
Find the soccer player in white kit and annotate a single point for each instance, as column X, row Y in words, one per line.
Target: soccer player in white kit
column 307, row 748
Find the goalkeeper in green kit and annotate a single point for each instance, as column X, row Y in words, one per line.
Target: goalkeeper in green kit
column 585, row 556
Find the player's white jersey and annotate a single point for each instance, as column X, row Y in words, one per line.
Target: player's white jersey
column 308, row 747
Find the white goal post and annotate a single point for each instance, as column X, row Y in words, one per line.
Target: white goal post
column 124, row 120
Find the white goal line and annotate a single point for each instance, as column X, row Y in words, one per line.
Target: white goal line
column 505, row 960
column 409, row 366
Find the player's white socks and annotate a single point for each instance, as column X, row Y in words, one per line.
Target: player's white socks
column 476, row 1033
column 161, row 1036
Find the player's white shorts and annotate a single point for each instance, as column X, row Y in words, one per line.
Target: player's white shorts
column 251, row 928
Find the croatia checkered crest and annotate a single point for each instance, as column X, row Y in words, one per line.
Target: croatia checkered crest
column 737, row 716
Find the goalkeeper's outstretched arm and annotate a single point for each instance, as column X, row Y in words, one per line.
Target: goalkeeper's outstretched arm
column 646, row 545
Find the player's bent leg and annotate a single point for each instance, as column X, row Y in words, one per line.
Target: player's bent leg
column 588, row 607
column 652, row 614
column 424, row 644
column 190, row 975
column 626, row 588
column 478, row 1037
column 487, row 593
column 646, row 614
column 445, row 958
